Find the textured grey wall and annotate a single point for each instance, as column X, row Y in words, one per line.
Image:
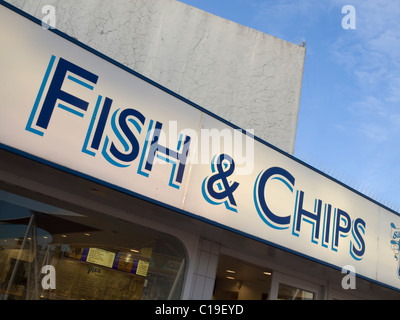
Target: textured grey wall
column 245, row 76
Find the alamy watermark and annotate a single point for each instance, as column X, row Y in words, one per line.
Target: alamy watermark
column 49, row 279
column 49, row 20
column 205, row 142
column 349, row 280
column 349, row 20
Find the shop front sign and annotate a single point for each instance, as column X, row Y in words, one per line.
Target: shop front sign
column 69, row 106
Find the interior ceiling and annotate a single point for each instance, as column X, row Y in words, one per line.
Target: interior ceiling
column 242, row 270
column 53, row 224
column 84, row 229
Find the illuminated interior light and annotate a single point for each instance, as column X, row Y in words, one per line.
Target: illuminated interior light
column 128, row 257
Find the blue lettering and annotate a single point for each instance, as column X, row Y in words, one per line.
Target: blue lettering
column 120, row 145
column 307, row 216
column 341, row 230
column 271, row 219
column 176, row 158
column 358, row 250
column 327, row 225
column 55, row 93
column 101, row 124
column 135, row 118
column 333, row 223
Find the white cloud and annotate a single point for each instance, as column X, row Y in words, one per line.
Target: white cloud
column 287, row 19
column 375, row 132
column 393, row 90
column 374, row 47
column 371, row 55
column 369, row 106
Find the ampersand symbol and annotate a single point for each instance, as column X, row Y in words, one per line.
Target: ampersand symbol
column 217, row 188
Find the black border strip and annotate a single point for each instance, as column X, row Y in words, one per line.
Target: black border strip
column 154, row 201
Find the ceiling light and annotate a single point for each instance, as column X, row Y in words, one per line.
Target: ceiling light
column 64, row 235
column 230, row 271
column 231, row 278
column 267, row 273
column 87, row 234
column 134, row 250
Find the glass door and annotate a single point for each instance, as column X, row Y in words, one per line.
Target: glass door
column 287, row 292
column 285, row 287
column 240, row 280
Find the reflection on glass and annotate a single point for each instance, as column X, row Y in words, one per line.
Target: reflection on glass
column 240, row 280
column 287, row 292
column 94, row 257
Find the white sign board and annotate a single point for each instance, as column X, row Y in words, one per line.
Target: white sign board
column 72, row 107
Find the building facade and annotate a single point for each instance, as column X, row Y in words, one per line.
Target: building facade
column 117, row 185
column 261, row 93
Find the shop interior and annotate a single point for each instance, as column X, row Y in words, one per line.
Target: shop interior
column 95, row 257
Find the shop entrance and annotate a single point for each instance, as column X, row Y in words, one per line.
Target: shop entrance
column 94, row 256
column 285, row 287
column 239, row 280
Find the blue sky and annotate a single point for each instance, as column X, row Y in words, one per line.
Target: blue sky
column 349, row 118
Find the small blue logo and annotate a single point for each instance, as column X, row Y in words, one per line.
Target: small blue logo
column 395, row 244
column 217, row 189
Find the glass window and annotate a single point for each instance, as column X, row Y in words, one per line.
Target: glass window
column 287, row 292
column 50, row 253
column 239, row 280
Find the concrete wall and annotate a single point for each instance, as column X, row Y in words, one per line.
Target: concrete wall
column 245, row 76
